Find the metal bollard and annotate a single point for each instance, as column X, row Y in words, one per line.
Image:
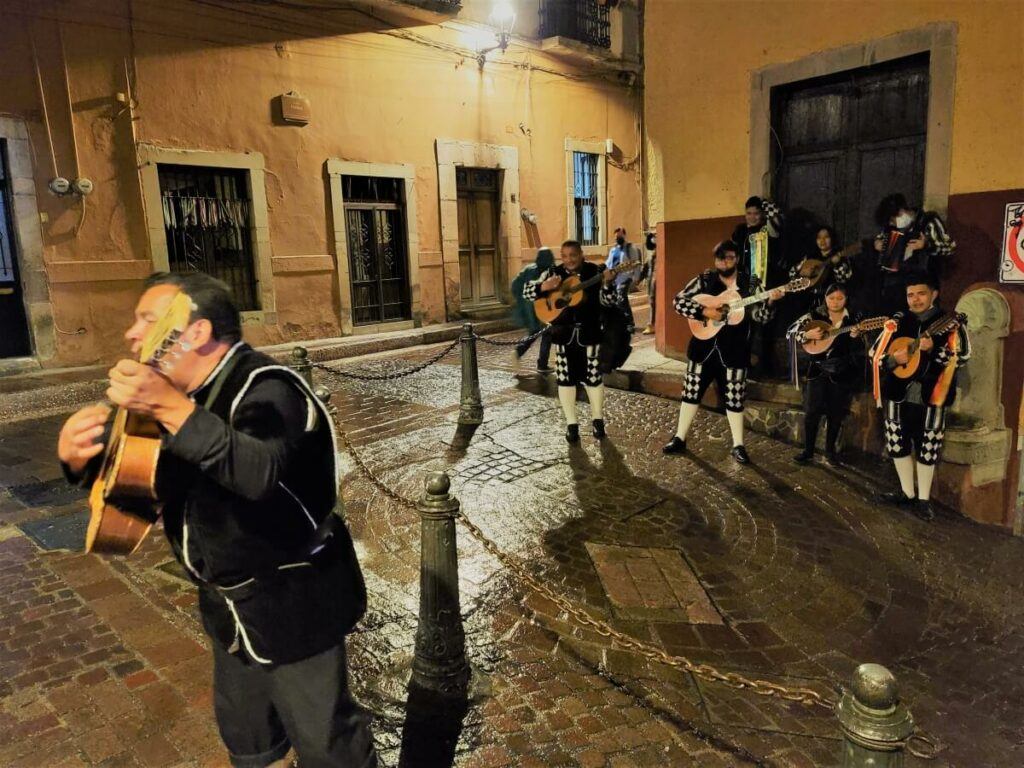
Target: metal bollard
column 471, row 407
column 301, row 365
column 439, row 664
column 875, row 724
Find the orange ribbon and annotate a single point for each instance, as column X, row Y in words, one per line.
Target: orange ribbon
column 946, row 379
column 876, row 361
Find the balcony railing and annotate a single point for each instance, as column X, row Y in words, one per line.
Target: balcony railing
column 583, row 20
column 439, row 6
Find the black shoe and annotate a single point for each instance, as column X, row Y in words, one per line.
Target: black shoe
column 899, row 498
column 675, row 445
column 923, row 509
column 572, row 433
column 833, row 460
column 599, row 428
column 803, row 457
column 740, row 454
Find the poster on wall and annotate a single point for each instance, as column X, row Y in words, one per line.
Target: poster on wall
column 1011, row 268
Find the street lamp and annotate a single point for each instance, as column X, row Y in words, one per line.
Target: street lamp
column 503, row 18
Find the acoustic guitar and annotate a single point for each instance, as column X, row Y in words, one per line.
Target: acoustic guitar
column 813, row 268
column 123, row 501
column 571, row 292
column 913, row 346
column 735, row 307
column 822, row 345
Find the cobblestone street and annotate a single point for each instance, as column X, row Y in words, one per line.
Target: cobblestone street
column 791, row 574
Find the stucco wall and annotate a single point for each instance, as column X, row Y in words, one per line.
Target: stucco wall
column 205, row 78
column 699, row 56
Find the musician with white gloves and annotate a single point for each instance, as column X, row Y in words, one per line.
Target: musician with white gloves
column 725, row 357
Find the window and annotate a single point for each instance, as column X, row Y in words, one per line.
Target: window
column 584, row 20
column 585, row 185
column 377, row 249
column 208, row 222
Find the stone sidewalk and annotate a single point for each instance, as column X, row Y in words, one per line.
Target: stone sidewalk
column 792, row 574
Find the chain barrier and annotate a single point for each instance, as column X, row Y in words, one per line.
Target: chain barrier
column 390, row 375
column 806, row 696
column 513, row 342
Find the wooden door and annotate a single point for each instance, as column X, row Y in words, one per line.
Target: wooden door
column 479, row 254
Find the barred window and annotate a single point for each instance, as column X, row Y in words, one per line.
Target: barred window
column 209, row 227
column 585, row 197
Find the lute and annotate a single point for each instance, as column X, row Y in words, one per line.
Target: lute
column 831, row 333
column 123, row 501
column 913, row 346
column 735, row 306
column 813, row 268
column 571, row 292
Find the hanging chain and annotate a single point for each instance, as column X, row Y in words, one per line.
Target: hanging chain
column 389, row 376
column 513, row 342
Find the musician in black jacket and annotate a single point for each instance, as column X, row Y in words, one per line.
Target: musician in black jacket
column 761, row 256
column 911, row 241
column 915, row 408
column 248, row 478
column 725, row 357
column 840, row 273
column 576, row 335
column 831, row 376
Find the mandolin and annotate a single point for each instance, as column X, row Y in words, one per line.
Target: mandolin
column 571, row 292
column 123, row 501
column 735, row 305
column 819, row 346
column 913, row 346
column 813, row 268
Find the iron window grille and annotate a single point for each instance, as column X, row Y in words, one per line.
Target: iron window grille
column 377, row 248
column 208, row 222
column 584, row 20
column 585, row 202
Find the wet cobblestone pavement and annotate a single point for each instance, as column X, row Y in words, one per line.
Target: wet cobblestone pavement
column 792, row 574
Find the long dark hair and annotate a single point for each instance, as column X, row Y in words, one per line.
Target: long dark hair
column 833, row 240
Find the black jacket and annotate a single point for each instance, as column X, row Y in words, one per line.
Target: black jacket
column 248, row 483
column 732, row 343
column 895, row 260
column 843, row 362
column 587, row 314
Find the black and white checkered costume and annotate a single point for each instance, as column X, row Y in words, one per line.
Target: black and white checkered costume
column 576, row 333
column 839, row 274
column 725, row 357
column 911, row 421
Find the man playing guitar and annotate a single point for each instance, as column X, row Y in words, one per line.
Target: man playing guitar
column 247, row 475
column 831, row 376
column 576, row 335
column 723, row 358
column 915, row 407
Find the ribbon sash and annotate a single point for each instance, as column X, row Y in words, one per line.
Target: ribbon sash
column 876, row 361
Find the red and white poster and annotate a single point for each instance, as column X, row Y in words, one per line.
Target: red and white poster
column 1011, row 269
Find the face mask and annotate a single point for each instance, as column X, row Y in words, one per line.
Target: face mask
column 620, row 240
column 904, row 220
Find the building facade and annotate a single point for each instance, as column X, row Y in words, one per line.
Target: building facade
column 382, row 166
column 826, row 107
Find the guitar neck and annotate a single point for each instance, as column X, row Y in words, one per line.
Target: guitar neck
column 757, row 298
column 598, row 277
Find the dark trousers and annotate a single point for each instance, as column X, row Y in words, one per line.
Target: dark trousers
column 545, row 349
column 263, row 711
column 824, row 399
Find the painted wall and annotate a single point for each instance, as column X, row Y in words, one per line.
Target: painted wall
column 204, row 79
column 699, row 56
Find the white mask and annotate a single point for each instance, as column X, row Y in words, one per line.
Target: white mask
column 904, row 220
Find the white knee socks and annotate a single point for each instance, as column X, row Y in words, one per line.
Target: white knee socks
column 567, row 397
column 925, row 474
column 596, row 397
column 735, row 426
column 905, row 470
column 686, row 413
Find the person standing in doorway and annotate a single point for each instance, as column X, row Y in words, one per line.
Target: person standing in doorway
column 624, row 251
column 523, row 312
column 648, row 274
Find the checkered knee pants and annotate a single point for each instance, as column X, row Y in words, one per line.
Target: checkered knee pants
column 577, row 364
column 905, row 428
column 732, row 383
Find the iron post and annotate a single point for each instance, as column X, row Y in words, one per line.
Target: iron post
column 439, row 665
column 875, row 724
column 471, row 407
column 301, row 365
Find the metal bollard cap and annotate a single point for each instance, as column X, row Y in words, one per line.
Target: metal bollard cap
column 870, row 712
column 300, row 353
column 437, row 503
column 323, row 394
column 438, row 484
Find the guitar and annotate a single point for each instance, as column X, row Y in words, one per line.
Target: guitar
column 735, row 311
column 122, row 502
column 813, row 268
column 571, row 292
column 819, row 346
column 913, row 346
